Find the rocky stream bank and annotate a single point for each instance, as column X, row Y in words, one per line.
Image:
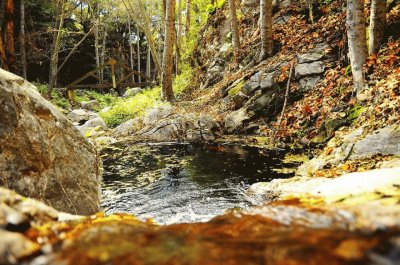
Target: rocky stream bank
column 352, row 219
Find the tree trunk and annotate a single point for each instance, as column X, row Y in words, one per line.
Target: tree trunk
column 188, row 18
column 168, row 57
column 2, row 7
column 22, row 39
column 266, row 29
column 3, row 55
column 138, row 54
column 55, row 53
column 131, row 61
column 9, row 22
column 234, row 27
column 149, row 36
column 377, row 25
column 178, row 39
column 148, row 63
column 103, row 51
column 96, row 44
column 356, row 31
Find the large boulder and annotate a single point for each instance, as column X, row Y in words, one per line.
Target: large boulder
column 42, row 154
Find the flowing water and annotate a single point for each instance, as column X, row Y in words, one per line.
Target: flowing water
column 180, row 183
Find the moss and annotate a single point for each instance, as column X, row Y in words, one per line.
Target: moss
column 235, row 90
column 355, row 112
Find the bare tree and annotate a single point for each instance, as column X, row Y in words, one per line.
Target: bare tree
column 178, row 38
column 234, row 27
column 188, row 18
column 377, row 25
column 3, row 55
column 168, row 93
column 356, row 31
column 266, row 29
column 56, row 46
column 138, row 54
column 9, row 32
column 22, row 39
column 132, row 64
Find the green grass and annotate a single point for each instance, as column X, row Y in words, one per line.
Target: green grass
column 57, row 98
column 125, row 109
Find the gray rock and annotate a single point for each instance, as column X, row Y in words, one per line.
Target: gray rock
column 91, row 126
column 127, row 128
column 267, row 81
column 42, row 155
column 311, row 57
column 156, row 114
column 309, row 83
column 307, row 69
column 239, row 99
column 235, row 120
column 281, row 3
column 385, row 141
column 90, row 105
column 162, row 131
column 208, row 128
column 78, row 115
column 253, row 84
column 132, row 92
column 262, row 103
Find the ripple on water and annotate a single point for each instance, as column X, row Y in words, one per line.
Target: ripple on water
column 183, row 183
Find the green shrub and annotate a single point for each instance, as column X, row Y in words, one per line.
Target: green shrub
column 57, row 97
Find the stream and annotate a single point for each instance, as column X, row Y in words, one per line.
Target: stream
column 184, row 183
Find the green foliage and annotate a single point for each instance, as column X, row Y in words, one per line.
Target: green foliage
column 235, row 90
column 104, row 100
column 211, row 8
column 348, row 70
column 57, row 98
column 355, row 112
column 128, row 108
column 124, row 109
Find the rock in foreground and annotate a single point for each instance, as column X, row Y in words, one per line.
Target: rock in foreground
column 42, row 155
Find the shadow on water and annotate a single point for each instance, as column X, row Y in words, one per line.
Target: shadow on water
column 176, row 183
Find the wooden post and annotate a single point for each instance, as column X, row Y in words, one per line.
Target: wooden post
column 112, row 63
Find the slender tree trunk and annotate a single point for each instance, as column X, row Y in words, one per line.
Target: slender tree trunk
column 266, row 29
column 22, row 39
column 9, row 22
column 148, row 63
column 234, row 27
column 3, row 55
column 55, row 53
column 96, row 44
column 377, row 25
column 188, row 18
column 2, row 7
column 356, row 31
column 131, row 61
column 311, row 10
column 178, row 38
column 103, row 51
column 168, row 93
column 149, row 36
column 139, row 66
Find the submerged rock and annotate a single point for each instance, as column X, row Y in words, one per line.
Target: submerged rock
column 42, row 155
